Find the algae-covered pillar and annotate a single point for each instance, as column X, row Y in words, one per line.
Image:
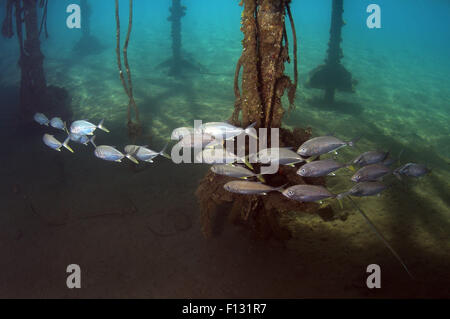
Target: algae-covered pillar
column 258, row 99
column 333, row 75
column 265, row 51
column 35, row 96
column 88, row 43
column 33, row 83
column 177, row 12
column 176, row 64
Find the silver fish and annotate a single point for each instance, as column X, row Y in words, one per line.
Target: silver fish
column 319, row 168
column 57, row 123
column 83, row 127
column 370, row 157
column 322, row 145
column 370, row 173
column 250, row 188
column 81, row 139
column 221, row 130
column 307, row 193
column 180, row 132
column 145, row 154
column 411, row 170
column 217, row 156
column 109, row 153
column 204, row 140
column 282, row 156
column 364, row 189
column 53, row 143
column 234, row 171
column 41, row 119
column 388, row 161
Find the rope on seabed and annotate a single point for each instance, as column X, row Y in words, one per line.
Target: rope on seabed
column 380, row 236
column 127, row 87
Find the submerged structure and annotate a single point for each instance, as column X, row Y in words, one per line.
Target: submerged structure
column 88, row 43
column 177, row 64
column 35, row 95
column 258, row 100
column 332, row 75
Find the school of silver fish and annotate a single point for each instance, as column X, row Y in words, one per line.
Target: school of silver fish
column 211, row 138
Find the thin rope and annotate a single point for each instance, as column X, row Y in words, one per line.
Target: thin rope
column 377, row 232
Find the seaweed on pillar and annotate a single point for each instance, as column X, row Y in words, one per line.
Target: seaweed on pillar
column 258, row 98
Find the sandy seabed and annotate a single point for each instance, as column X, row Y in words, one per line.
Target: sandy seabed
column 137, row 233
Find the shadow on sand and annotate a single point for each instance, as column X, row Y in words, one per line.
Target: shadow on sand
column 339, row 106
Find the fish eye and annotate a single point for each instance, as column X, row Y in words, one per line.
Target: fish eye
column 290, row 193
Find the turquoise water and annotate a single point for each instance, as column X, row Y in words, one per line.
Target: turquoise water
column 138, row 231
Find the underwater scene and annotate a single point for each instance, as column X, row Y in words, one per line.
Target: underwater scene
column 123, row 122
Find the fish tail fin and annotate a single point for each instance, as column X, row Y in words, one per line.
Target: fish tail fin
column 163, row 152
column 310, row 159
column 376, row 231
column 250, row 130
column 341, row 195
column 131, row 158
column 323, row 204
column 247, row 163
column 100, row 126
column 92, row 140
column 340, row 201
column 340, row 198
column 65, row 127
column 280, row 188
column 252, row 125
column 66, row 144
column 260, row 178
column 353, row 142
